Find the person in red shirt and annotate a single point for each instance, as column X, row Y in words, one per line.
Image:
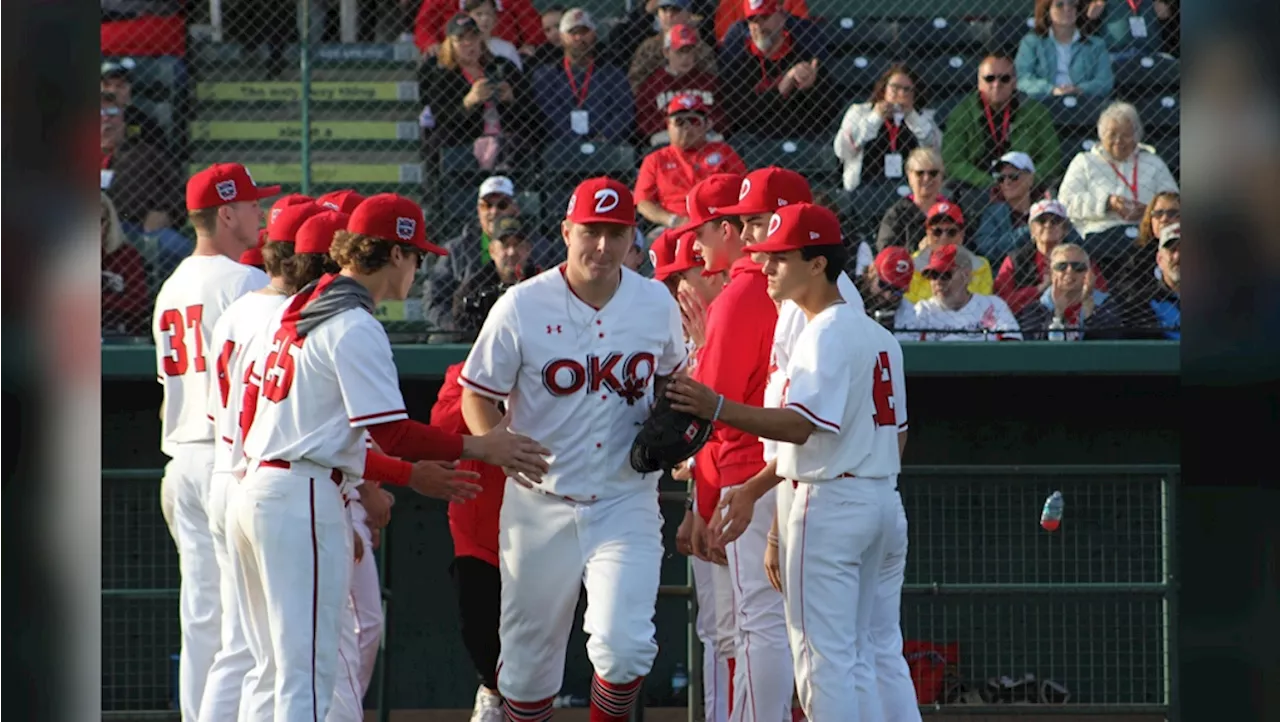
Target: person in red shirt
column 518, row 23
column 680, row 75
column 668, row 174
column 476, row 578
column 1024, row 274
column 126, row 300
column 734, row 360
column 729, row 12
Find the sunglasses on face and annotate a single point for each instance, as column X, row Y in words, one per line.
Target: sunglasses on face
column 936, row 276
column 944, row 232
column 1167, row 213
column 1050, row 219
column 501, row 205
column 1006, row 177
column 931, row 173
column 1077, row 266
column 683, row 121
column 1005, row 78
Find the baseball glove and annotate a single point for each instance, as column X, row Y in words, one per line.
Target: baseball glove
column 667, row 438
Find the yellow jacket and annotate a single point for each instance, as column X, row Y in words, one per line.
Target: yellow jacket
column 981, row 281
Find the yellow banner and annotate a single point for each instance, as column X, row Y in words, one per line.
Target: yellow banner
column 321, row 130
column 326, row 91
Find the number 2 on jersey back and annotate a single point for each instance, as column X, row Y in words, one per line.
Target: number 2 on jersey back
column 277, row 376
column 175, row 324
column 882, row 392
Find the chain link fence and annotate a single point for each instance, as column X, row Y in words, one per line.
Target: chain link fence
column 853, row 95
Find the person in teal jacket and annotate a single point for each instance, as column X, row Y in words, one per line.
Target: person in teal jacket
column 1057, row 59
column 993, row 121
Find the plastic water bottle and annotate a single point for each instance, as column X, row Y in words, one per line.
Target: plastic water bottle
column 679, row 680
column 569, row 701
column 1057, row 330
column 1051, row 516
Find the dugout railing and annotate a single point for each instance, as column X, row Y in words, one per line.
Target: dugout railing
column 1092, row 606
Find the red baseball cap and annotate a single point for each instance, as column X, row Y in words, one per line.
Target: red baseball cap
column 686, row 103
column 768, row 189
column 895, row 267
column 283, row 226
column 223, row 183
column 754, row 8
column 708, row 199
column 944, row 208
column 686, row 256
column 797, row 226
column 941, row 259
column 253, row 256
column 394, row 218
column 316, row 233
column 681, row 36
column 344, row 201
column 662, row 252
column 601, row 200
column 293, row 199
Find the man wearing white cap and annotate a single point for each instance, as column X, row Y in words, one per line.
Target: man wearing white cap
column 1002, row 226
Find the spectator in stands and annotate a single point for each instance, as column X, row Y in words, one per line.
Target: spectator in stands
column 901, row 224
column 1165, row 208
column 1024, row 273
column 126, row 301
column 991, row 122
column 146, row 189
column 1003, row 224
column 1072, row 299
column 1107, row 188
column 485, row 13
column 517, row 23
column 469, row 251
column 883, row 286
column 731, row 12
column 954, row 311
column 773, row 76
column 638, row 25
column 1155, row 294
column 679, row 76
column 944, row 225
column 669, row 173
column 583, row 96
column 1057, row 58
column 551, row 51
column 652, row 52
column 139, row 125
column 636, row 256
column 871, row 143
column 511, row 256
column 1130, row 27
column 477, row 99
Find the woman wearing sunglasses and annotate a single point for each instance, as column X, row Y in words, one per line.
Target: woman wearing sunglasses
column 1024, row 273
column 1058, row 58
column 901, row 223
column 1070, row 300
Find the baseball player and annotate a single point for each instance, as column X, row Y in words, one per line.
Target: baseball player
column 222, row 201
column 734, row 362
column 235, row 332
column 325, row 378
column 842, row 428
column 573, row 360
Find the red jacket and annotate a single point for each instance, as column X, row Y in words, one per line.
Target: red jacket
column 734, row 361
column 657, row 90
column 518, row 22
column 126, row 300
column 473, row 524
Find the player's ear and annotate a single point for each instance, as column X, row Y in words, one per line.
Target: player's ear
column 565, row 227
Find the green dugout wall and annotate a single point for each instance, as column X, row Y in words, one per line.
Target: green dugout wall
column 994, row 429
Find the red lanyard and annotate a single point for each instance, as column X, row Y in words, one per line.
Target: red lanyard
column 106, row 160
column 1133, row 5
column 1132, row 186
column 580, row 97
column 893, row 131
column 991, row 124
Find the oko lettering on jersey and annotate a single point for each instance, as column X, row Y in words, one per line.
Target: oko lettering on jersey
column 626, row 376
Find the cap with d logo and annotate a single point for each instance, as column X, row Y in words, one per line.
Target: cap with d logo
column 768, row 189
column 601, row 200
column 797, row 226
column 708, row 199
column 315, row 235
column 393, row 218
column 343, row 201
column 283, row 227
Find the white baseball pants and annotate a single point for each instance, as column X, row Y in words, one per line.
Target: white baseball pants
column 714, row 626
column 234, row 659
column 763, row 678
column 187, row 478
column 296, row 554
column 549, row 549
column 358, row 635
column 832, row 544
column 893, row 676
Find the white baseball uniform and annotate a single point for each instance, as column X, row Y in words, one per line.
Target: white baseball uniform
column 361, row 622
column 714, row 626
column 236, row 337
column 318, row 393
column 836, row 505
column 579, row 380
column 187, row 307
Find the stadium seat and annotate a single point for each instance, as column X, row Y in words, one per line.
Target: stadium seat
column 802, row 156
column 951, row 74
column 1146, row 76
column 854, row 75
column 1071, row 113
column 587, row 158
column 941, row 35
column 1160, row 113
column 858, row 35
column 866, row 205
column 1007, row 31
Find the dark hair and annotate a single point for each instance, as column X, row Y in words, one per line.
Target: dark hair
column 275, row 255
column 835, row 253
column 1043, row 24
column 301, row 269
column 735, row 221
column 882, row 85
column 363, row 254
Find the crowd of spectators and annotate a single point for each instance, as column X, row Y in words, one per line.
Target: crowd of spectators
column 994, row 221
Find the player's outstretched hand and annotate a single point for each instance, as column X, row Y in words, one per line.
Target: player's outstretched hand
column 442, row 480
column 692, row 397
column 513, row 452
column 731, row 518
column 377, row 504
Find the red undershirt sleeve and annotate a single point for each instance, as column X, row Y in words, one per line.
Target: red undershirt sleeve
column 383, row 468
column 416, row 441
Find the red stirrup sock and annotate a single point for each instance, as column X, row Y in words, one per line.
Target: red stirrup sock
column 539, row 711
column 732, row 666
column 612, row 702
